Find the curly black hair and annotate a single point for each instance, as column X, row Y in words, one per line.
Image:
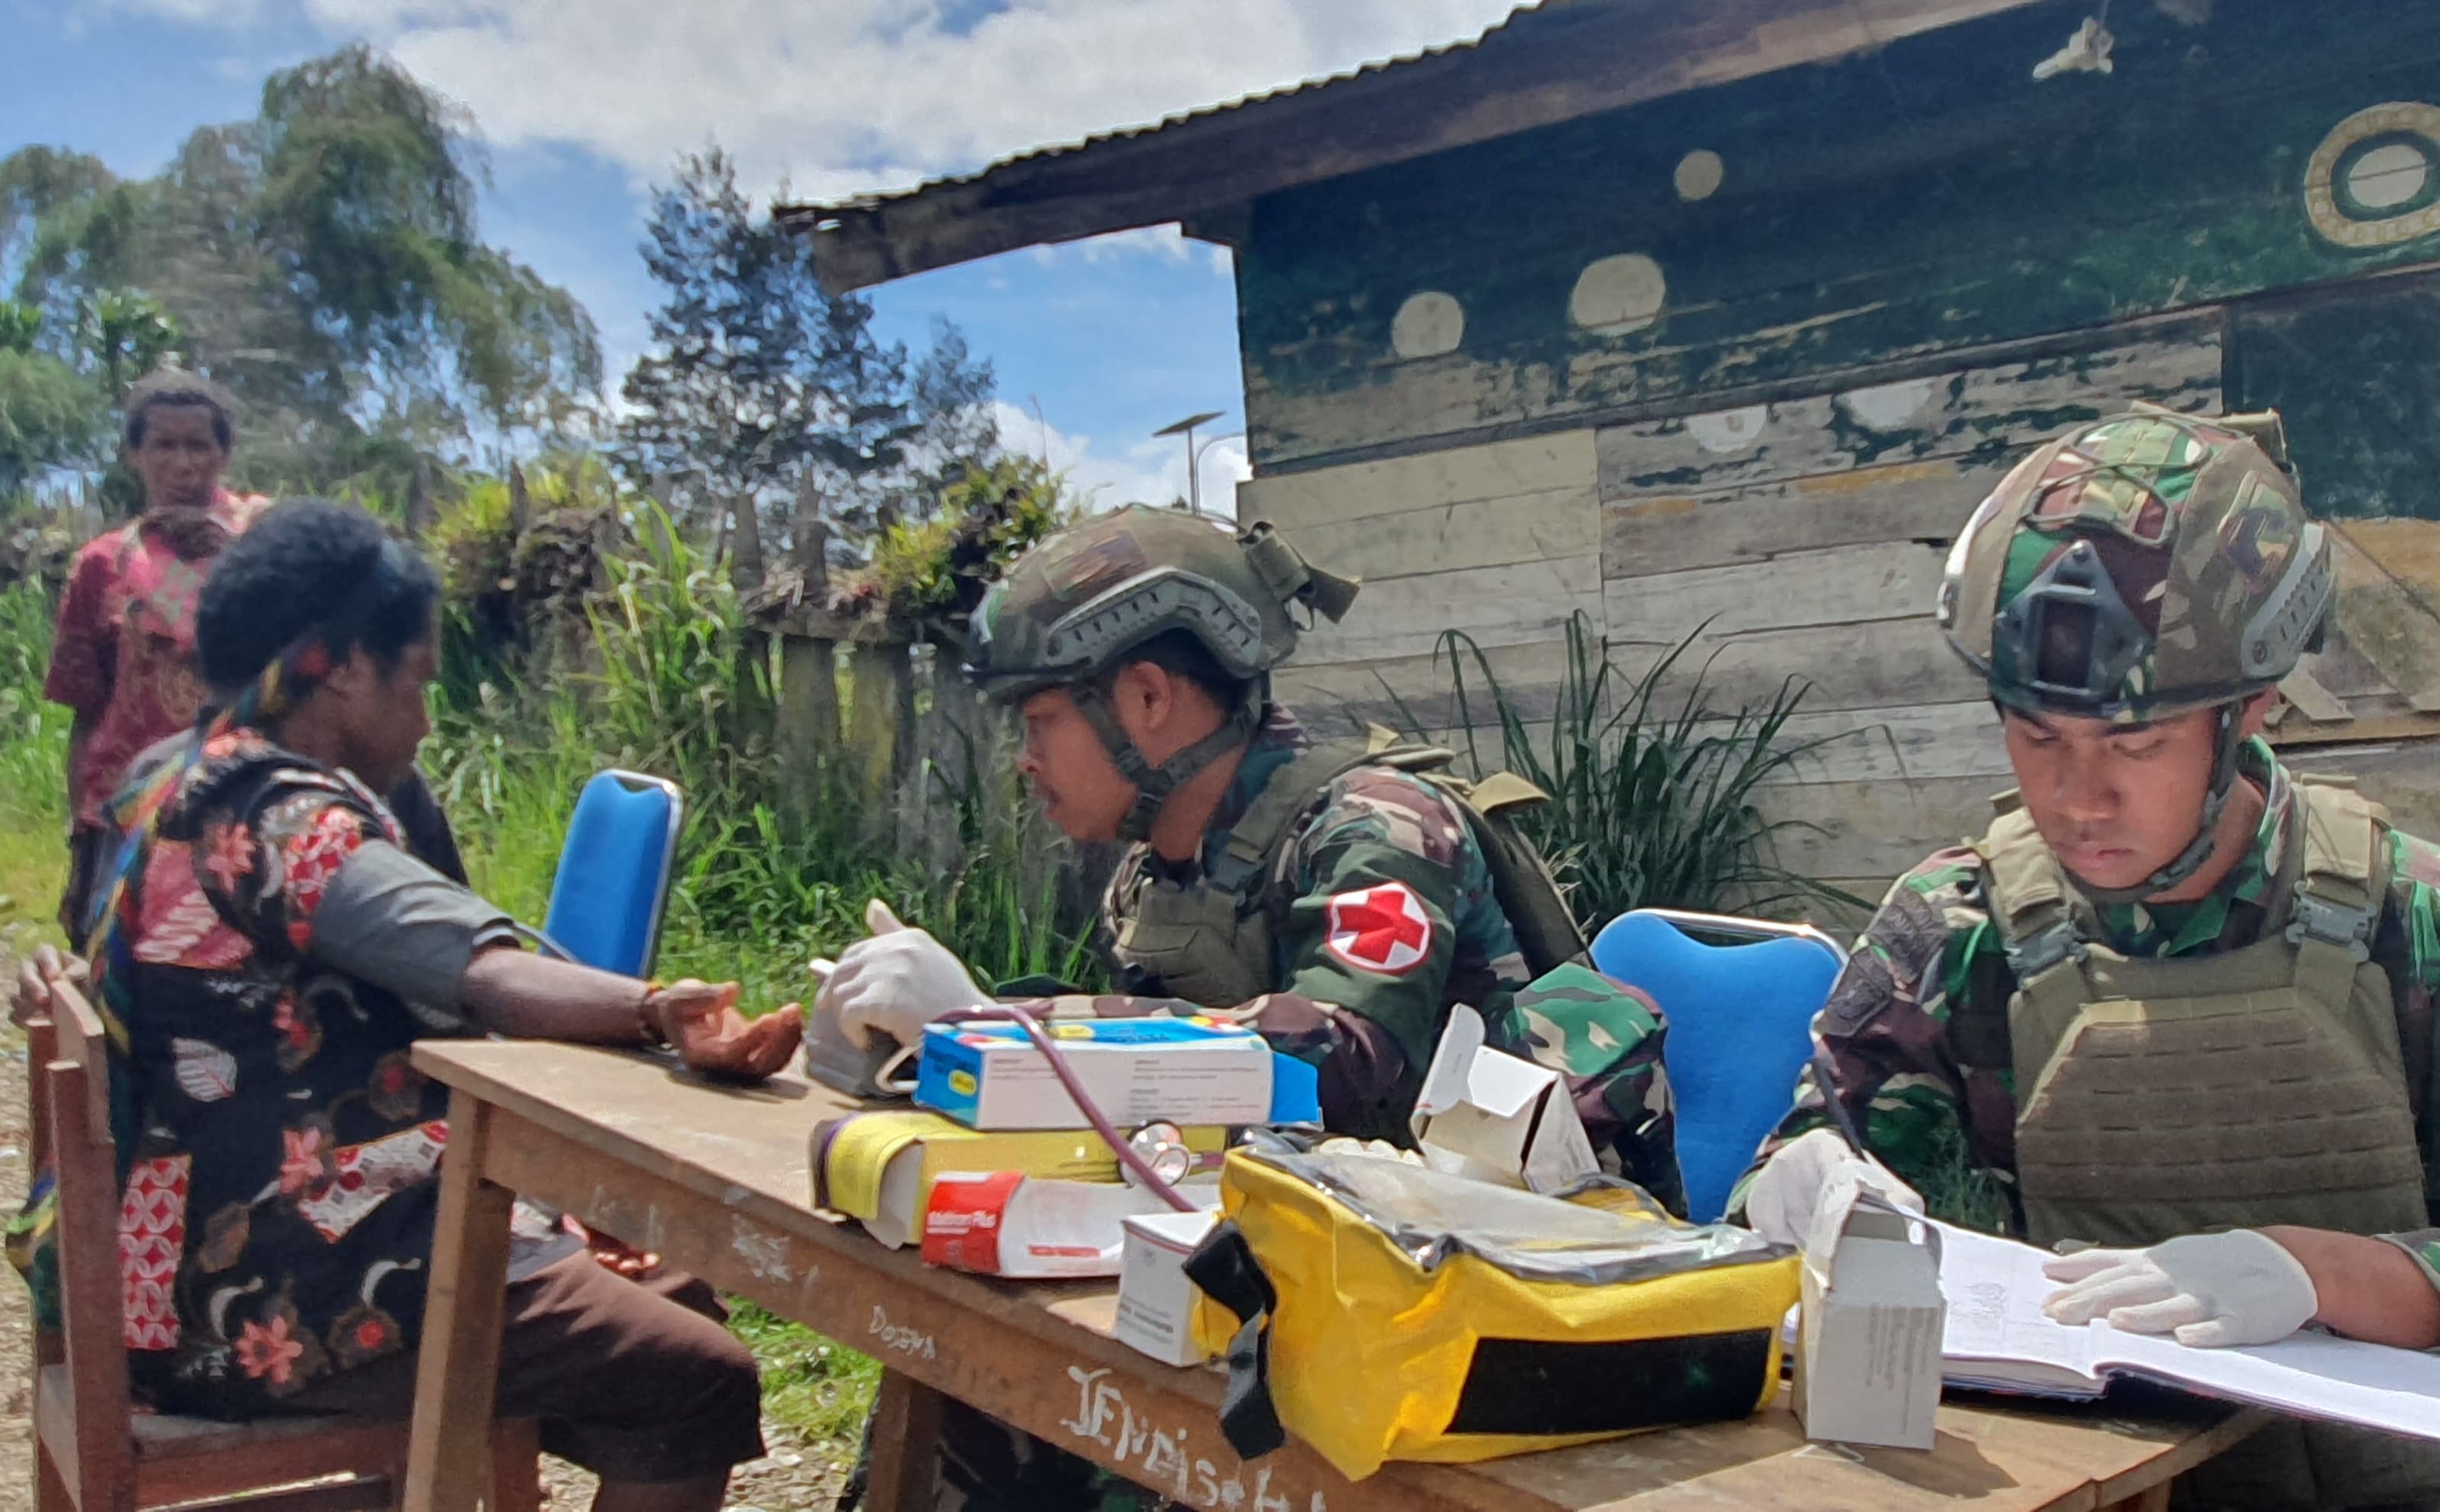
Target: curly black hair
column 311, row 569
column 176, row 387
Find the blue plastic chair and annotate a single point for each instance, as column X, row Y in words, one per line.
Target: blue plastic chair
column 614, row 873
column 1740, row 1021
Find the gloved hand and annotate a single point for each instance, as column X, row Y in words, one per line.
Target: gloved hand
column 701, row 1022
column 2210, row 1290
column 896, row 981
column 1779, row 1204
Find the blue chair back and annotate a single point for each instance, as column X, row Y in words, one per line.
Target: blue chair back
column 1740, row 1019
column 614, row 872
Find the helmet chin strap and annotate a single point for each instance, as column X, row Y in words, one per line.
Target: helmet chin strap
column 2199, row 849
column 1152, row 784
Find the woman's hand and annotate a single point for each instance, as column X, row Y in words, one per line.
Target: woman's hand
column 37, row 975
column 701, row 1022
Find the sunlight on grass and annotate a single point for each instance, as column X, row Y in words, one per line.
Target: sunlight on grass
column 817, row 1387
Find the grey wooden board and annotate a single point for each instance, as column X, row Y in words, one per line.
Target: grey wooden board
column 1872, row 665
column 1328, row 695
column 1450, row 475
column 1904, row 744
column 1976, row 410
column 1876, row 665
column 2403, row 775
column 1515, row 604
column 1903, row 501
column 1840, row 585
column 1435, row 537
column 1876, row 830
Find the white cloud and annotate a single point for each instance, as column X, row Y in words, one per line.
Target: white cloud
column 843, row 97
column 1149, row 470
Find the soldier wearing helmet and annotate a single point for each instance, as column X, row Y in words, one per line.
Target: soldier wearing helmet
column 1338, row 896
column 2176, row 1001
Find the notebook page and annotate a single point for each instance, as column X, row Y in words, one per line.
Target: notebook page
column 1995, row 1334
column 2311, row 1375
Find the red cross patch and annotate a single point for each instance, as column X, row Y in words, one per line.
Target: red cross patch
column 1381, row 929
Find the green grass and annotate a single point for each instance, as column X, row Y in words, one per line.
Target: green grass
column 813, row 1385
column 34, row 776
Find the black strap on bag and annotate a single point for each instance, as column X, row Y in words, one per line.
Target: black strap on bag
column 1224, row 1266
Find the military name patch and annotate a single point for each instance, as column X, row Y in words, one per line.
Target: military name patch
column 1380, row 929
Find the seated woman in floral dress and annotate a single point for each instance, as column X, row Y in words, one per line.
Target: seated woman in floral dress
column 270, row 953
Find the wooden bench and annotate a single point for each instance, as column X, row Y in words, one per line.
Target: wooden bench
column 95, row 1450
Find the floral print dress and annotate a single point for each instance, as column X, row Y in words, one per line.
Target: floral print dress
column 279, row 1198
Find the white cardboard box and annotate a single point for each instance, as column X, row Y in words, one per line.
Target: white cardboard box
column 1495, row 1117
column 1034, row 1228
column 1157, row 1301
column 1868, row 1341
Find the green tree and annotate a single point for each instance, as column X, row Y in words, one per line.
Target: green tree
column 323, row 261
column 762, row 388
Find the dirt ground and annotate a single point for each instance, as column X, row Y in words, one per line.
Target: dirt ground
column 794, row 1477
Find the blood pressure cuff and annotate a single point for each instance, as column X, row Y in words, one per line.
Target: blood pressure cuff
column 1382, row 1311
column 390, row 919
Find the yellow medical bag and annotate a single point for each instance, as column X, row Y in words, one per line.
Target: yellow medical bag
column 1384, row 1312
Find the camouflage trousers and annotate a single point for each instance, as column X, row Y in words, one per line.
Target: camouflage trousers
column 986, row 1465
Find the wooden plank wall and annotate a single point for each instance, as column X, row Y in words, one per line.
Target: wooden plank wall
column 1805, row 539
column 1811, row 535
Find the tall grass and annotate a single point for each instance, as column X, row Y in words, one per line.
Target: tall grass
column 672, row 681
column 1654, row 793
column 33, row 768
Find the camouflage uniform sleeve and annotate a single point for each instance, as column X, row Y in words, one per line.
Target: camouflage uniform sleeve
column 1884, row 1031
column 1607, row 1039
column 1375, row 881
column 2409, row 947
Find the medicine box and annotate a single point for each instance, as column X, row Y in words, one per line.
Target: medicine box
column 989, row 1074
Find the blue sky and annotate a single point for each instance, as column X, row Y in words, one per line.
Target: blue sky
column 585, row 102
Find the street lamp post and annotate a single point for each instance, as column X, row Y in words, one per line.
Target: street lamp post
column 1185, row 427
column 1195, row 468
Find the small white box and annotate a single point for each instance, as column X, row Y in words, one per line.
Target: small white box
column 1036, row 1228
column 1868, row 1343
column 1156, row 1303
column 1495, row 1117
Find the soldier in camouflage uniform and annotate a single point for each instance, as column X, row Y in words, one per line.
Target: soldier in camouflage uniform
column 1339, row 897
column 2175, row 990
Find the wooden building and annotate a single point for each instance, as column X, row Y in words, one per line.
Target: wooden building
column 1724, row 314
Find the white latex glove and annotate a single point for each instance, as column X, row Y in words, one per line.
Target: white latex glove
column 897, row 981
column 2210, row 1290
column 1342, row 1144
column 1779, row 1204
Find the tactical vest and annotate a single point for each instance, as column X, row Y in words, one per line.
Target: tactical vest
column 1212, row 941
column 2256, row 1086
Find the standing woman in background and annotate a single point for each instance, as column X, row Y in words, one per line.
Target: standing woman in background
column 123, row 657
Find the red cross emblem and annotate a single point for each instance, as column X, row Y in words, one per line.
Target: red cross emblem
column 1381, row 929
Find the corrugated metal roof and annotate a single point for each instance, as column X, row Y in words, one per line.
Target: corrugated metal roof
column 1309, row 86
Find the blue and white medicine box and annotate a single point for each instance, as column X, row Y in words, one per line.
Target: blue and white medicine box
column 989, row 1075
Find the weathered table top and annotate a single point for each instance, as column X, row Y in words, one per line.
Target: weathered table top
column 716, row 1177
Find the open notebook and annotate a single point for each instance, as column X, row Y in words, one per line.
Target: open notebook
column 1998, row 1339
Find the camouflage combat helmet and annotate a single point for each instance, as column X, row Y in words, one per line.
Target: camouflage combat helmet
column 1074, row 606
column 2139, row 568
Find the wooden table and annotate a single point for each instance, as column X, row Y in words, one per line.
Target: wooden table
column 715, row 1180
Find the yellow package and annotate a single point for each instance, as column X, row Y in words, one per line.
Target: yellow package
column 1381, row 1312
column 879, row 1166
